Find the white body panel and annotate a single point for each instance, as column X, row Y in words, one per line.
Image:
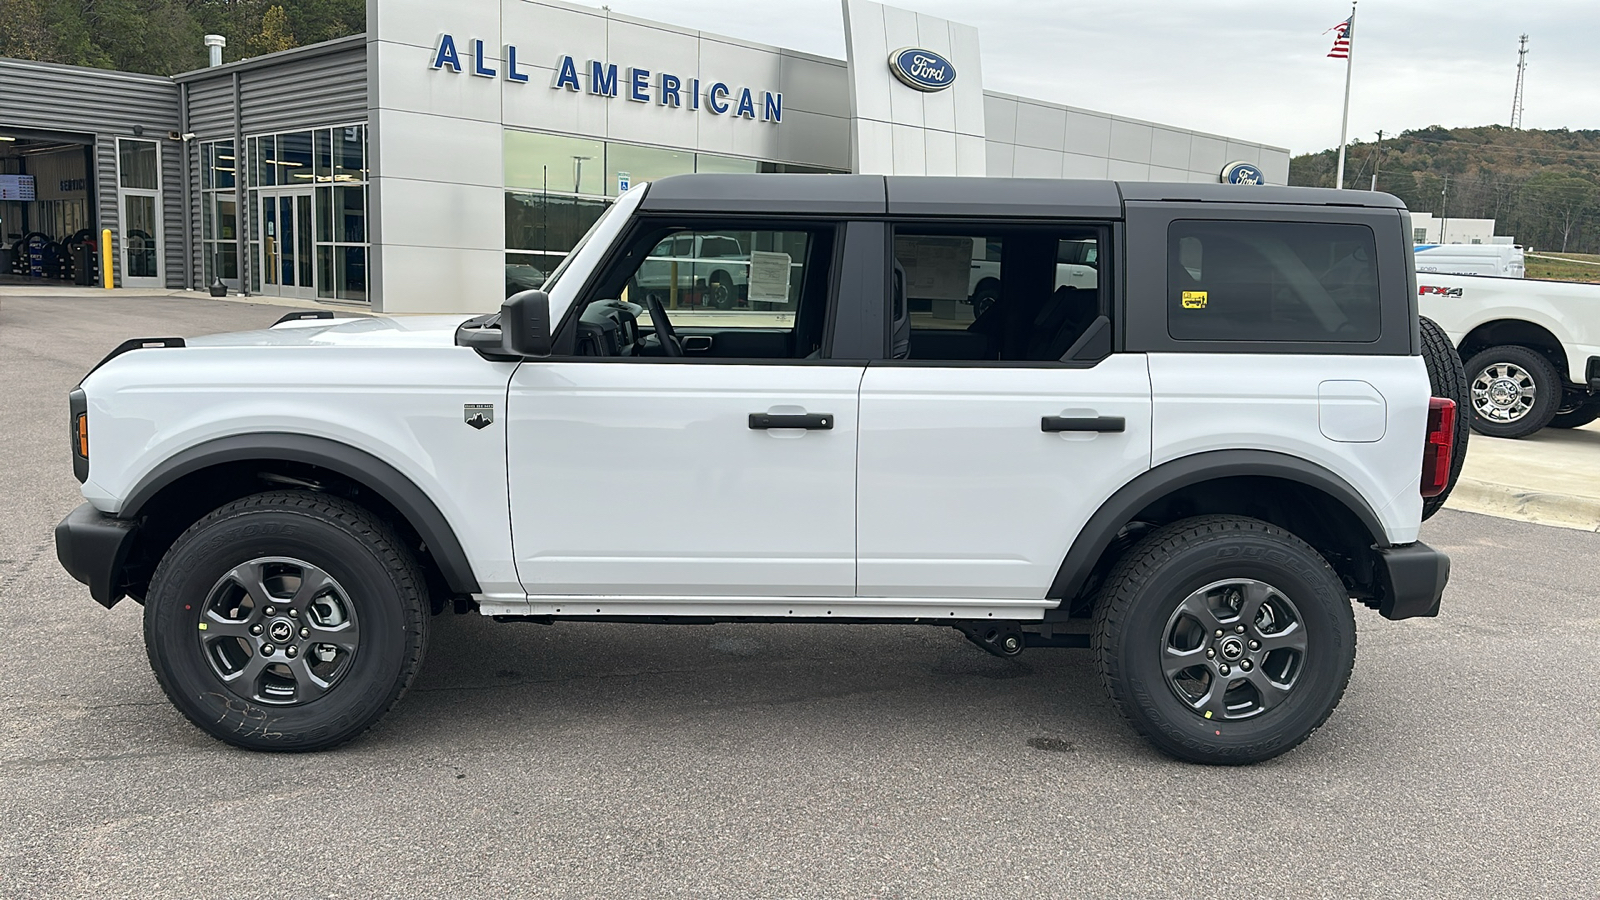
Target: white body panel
column 1248, row 401
column 1569, row 310
column 646, row 479
column 393, row 388
column 1497, row 260
column 962, row 494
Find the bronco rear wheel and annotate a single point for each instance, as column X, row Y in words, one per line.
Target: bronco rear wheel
column 286, row 621
column 1224, row 640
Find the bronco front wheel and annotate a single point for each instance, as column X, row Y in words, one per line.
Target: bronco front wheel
column 1224, row 640
column 286, row 621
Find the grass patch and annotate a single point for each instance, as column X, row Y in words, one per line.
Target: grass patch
column 1564, row 267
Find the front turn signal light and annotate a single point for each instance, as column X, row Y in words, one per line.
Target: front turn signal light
column 80, row 433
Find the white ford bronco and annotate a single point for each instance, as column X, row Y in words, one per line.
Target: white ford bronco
column 1192, row 468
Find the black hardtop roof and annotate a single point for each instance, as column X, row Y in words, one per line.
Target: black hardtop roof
column 912, row 195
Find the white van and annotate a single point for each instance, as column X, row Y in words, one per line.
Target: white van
column 1498, row 260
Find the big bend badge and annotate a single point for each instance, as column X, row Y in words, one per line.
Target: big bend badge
column 478, row 415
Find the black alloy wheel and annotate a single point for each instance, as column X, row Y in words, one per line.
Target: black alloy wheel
column 279, row 631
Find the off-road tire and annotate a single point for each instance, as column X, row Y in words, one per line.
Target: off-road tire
column 1577, row 414
column 1546, row 386
column 1146, row 587
column 1448, row 379
column 385, row 588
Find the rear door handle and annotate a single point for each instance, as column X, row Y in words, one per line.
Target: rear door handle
column 808, row 421
column 1102, row 424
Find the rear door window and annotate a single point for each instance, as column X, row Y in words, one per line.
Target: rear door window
column 1272, row 281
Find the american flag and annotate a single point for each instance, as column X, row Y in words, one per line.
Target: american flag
column 1341, row 40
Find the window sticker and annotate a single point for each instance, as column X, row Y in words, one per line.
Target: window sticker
column 769, row 276
column 1194, row 299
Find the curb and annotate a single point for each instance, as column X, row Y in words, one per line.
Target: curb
column 1539, row 507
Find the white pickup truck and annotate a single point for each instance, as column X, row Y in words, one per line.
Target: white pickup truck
column 1531, row 348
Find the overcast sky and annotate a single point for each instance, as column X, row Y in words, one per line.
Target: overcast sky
column 1253, row 70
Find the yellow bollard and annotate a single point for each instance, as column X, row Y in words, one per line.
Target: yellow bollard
column 105, row 258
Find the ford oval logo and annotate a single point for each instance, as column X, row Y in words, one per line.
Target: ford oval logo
column 924, row 70
column 1242, row 173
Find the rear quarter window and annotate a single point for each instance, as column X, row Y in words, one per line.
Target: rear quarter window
column 1272, row 281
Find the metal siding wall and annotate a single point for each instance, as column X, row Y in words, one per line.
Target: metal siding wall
column 173, row 218
column 325, row 89
column 106, row 104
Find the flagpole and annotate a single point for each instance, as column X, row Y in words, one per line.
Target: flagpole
column 1344, row 124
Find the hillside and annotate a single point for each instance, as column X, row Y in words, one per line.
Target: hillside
column 1541, row 186
column 163, row 37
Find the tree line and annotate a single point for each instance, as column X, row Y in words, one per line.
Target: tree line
column 1543, row 187
column 164, row 37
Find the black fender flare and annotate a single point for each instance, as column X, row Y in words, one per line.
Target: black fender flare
column 357, row 465
column 1157, row 482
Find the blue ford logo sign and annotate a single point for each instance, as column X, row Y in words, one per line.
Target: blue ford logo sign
column 924, row 70
column 1242, row 173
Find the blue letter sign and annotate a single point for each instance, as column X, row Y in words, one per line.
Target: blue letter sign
column 445, row 54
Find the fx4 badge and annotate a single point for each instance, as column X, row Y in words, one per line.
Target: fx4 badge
column 1427, row 289
column 478, row 415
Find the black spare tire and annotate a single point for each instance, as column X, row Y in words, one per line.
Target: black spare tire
column 1448, row 379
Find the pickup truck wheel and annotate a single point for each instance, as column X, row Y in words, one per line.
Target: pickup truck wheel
column 1448, row 378
column 286, row 621
column 721, row 290
column 1576, row 413
column 1224, row 640
column 1515, row 391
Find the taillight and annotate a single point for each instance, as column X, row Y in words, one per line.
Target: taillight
column 1439, row 447
column 80, row 431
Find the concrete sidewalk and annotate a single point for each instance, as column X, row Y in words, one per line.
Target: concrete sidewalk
column 35, row 292
column 1552, row 478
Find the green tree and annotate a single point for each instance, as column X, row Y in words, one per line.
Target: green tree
column 274, row 34
column 1566, row 199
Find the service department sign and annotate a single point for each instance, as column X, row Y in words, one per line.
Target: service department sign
column 924, row 70
column 1242, row 173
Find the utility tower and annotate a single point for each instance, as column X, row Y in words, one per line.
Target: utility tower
column 1516, row 101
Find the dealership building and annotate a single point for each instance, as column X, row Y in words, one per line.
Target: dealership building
column 453, row 148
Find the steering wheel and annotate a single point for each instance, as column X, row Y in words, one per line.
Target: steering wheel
column 663, row 327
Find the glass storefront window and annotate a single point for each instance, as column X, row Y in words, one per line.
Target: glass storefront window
column 643, row 164
column 325, row 214
column 548, row 222
column 137, row 162
column 267, row 161
column 294, row 158
column 723, row 165
column 350, row 153
column 548, row 162
column 352, row 272
column 324, row 151
column 350, row 215
column 222, row 165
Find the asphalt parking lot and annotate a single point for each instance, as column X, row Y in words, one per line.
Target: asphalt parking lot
column 757, row 761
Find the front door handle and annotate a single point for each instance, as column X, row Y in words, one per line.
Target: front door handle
column 808, row 421
column 1102, row 424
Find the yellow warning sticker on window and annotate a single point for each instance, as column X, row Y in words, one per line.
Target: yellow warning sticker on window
column 1194, row 299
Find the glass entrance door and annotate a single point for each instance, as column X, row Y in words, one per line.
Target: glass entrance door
column 287, row 265
column 139, row 195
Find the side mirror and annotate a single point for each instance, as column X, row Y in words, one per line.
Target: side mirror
column 525, row 324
